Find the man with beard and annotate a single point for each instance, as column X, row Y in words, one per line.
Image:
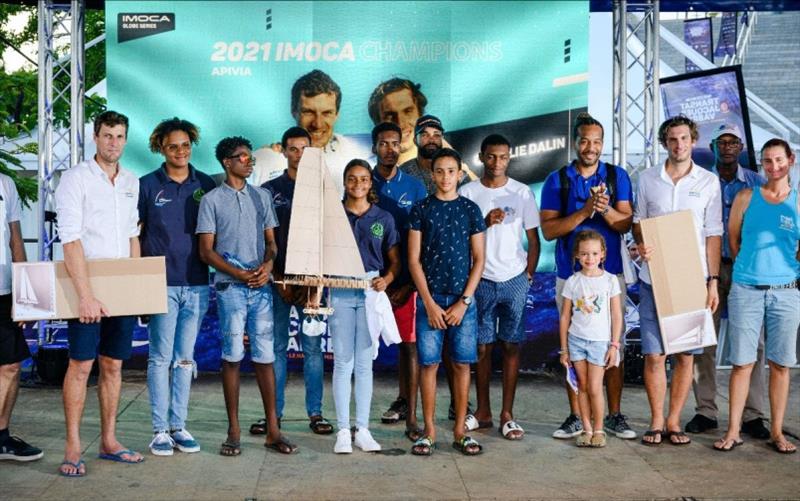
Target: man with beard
column 429, row 138
column 589, row 194
column 727, row 145
column 401, row 102
column 316, row 102
column 97, row 219
column 397, row 194
column 679, row 184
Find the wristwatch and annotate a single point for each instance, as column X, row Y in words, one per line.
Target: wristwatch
column 467, row 300
column 712, row 277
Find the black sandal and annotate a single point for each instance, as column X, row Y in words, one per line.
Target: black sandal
column 282, row 445
column 414, row 434
column 468, row 446
column 320, row 425
column 679, row 434
column 260, row 427
column 230, row 448
column 653, row 433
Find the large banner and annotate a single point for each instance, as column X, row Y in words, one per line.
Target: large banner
column 517, row 68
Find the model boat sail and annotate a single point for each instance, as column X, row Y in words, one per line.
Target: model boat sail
column 26, row 292
column 321, row 249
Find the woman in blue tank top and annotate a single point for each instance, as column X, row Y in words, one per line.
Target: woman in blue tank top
column 764, row 229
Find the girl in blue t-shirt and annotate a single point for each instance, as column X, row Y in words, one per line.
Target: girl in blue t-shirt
column 353, row 346
column 590, row 328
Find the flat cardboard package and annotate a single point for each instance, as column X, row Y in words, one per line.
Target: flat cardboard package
column 679, row 285
column 133, row 286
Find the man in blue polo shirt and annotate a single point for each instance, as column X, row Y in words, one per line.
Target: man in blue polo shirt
column 293, row 142
column 397, row 194
column 169, row 198
column 593, row 198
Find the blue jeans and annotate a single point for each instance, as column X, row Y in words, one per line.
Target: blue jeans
column 462, row 340
column 242, row 309
column 750, row 309
column 312, row 358
column 352, row 353
column 172, row 336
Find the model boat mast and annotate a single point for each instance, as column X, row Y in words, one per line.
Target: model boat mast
column 321, row 251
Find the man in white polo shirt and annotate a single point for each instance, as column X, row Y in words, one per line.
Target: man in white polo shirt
column 96, row 203
column 679, row 184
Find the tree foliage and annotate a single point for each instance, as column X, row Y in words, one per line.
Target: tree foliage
column 19, row 89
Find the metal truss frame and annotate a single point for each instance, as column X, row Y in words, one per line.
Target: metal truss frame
column 61, row 84
column 635, row 114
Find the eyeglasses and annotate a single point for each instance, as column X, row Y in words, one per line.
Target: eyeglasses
column 173, row 148
column 244, row 158
column 727, row 144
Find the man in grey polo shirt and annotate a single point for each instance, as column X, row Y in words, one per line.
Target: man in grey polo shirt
column 235, row 235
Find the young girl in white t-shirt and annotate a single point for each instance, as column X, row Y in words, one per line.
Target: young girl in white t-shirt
column 590, row 328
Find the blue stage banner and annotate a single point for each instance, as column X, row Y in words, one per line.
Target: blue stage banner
column 230, row 67
column 726, row 44
column 710, row 98
column 697, row 34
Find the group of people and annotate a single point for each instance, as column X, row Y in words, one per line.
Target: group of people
column 455, row 259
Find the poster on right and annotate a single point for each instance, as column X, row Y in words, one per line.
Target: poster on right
column 710, row 98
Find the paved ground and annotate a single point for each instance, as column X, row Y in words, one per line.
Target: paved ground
column 538, row 467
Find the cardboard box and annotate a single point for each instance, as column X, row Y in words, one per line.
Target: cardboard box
column 679, row 285
column 135, row 286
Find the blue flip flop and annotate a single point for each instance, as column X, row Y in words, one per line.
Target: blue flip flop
column 77, row 467
column 118, row 456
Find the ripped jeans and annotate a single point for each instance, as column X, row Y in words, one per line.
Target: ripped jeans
column 172, row 337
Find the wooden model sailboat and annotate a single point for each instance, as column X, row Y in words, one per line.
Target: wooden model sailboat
column 26, row 293
column 321, row 250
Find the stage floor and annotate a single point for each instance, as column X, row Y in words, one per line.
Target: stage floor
column 538, row 467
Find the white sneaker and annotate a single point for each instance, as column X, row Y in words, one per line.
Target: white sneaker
column 344, row 443
column 162, row 444
column 184, row 441
column 365, row 442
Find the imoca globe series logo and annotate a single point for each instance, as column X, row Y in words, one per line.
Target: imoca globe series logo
column 133, row 25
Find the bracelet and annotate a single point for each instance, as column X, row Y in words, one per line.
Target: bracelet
column 615, row 344
column 563, row 352
column 712, row 277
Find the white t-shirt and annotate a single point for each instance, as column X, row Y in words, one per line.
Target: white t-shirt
column 9, row 212
column 505, row 252
column 591, row 305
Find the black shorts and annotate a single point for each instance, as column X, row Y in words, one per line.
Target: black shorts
column 13, row 347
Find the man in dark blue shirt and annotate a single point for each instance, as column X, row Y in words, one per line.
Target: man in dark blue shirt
column 169, row 200
column 294, row 141
column 582, row 196
column 397, row 194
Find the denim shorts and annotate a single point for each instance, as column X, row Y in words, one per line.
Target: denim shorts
column 111, row 337
column 587, row 349
column 750, row 309
column 462, row 340
column 244, row 310
column 501, row 306
column 649, row 329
